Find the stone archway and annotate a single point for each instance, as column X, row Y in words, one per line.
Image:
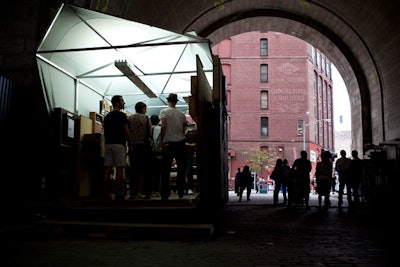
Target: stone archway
column 345, row 32
column 361, row 38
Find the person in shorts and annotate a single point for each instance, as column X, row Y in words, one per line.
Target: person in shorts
column 116, row 134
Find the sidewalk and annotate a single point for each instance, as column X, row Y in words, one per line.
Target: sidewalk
column 267, row 199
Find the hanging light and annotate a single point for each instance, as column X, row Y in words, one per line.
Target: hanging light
column 124, row 67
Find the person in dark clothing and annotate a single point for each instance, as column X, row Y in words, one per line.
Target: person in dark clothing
column 301, row 170
column 237, row 182
column 333, row 183
column 245, row 182
column 323, row 174
column 116, row 135
column 356, row 175
column 285, row 179
column 343, row 169
column 277, row 176
column 156, row 158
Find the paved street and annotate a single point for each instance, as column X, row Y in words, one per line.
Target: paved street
column 251, row 233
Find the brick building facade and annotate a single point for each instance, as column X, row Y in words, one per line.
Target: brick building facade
column 276, row 83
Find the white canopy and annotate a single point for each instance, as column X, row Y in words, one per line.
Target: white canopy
column 87, row 56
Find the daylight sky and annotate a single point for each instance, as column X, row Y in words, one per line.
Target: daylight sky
column 341, row 103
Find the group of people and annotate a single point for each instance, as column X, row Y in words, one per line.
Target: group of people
column 281, row 177
column 294, row 181
column 297, row 181
column 151, row 144
column 243, row 181
column 350, row 172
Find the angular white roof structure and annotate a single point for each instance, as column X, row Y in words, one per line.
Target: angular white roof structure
column 87, row 56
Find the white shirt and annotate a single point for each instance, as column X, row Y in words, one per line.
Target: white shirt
column 176, row 120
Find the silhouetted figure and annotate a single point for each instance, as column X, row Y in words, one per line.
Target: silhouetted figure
column 156, row 155
column 237, row 182
column 256, row 182
column 277, row 176
column 333, row 183
column 323, row 174
column 245, row 182
column 356, row 175
column 285, row 179
column 301, row 170
column 343, row 169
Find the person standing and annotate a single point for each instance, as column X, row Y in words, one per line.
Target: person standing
column 343, row 169
column 156, row 156
column 237, row 182
column 277, row 176
column 256, row 182
column 140, row 152
column 323, row 174
column 302, row 169
column 285, row 179
column 116, row 135
column 333, row 183
column 173, row 138
column 356, row 175
column 245, row 182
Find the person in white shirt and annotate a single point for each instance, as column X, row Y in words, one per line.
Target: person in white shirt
column 173, row 138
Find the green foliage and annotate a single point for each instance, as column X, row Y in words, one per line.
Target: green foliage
column 259, row 159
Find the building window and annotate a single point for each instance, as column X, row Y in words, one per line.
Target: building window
column 328, row 70
column 264, row 126
column 315, row 104
column 264, row 47
column 264, row 100
column 264, row 73
column 313, row 55
column 315, row 82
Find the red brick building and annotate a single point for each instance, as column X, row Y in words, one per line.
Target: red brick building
column 276, row 83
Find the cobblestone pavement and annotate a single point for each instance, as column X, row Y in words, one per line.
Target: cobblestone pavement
column 251, row 233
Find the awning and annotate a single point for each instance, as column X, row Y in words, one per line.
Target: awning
column 87, row 56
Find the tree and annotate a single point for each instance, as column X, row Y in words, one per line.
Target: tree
column 259, row 159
